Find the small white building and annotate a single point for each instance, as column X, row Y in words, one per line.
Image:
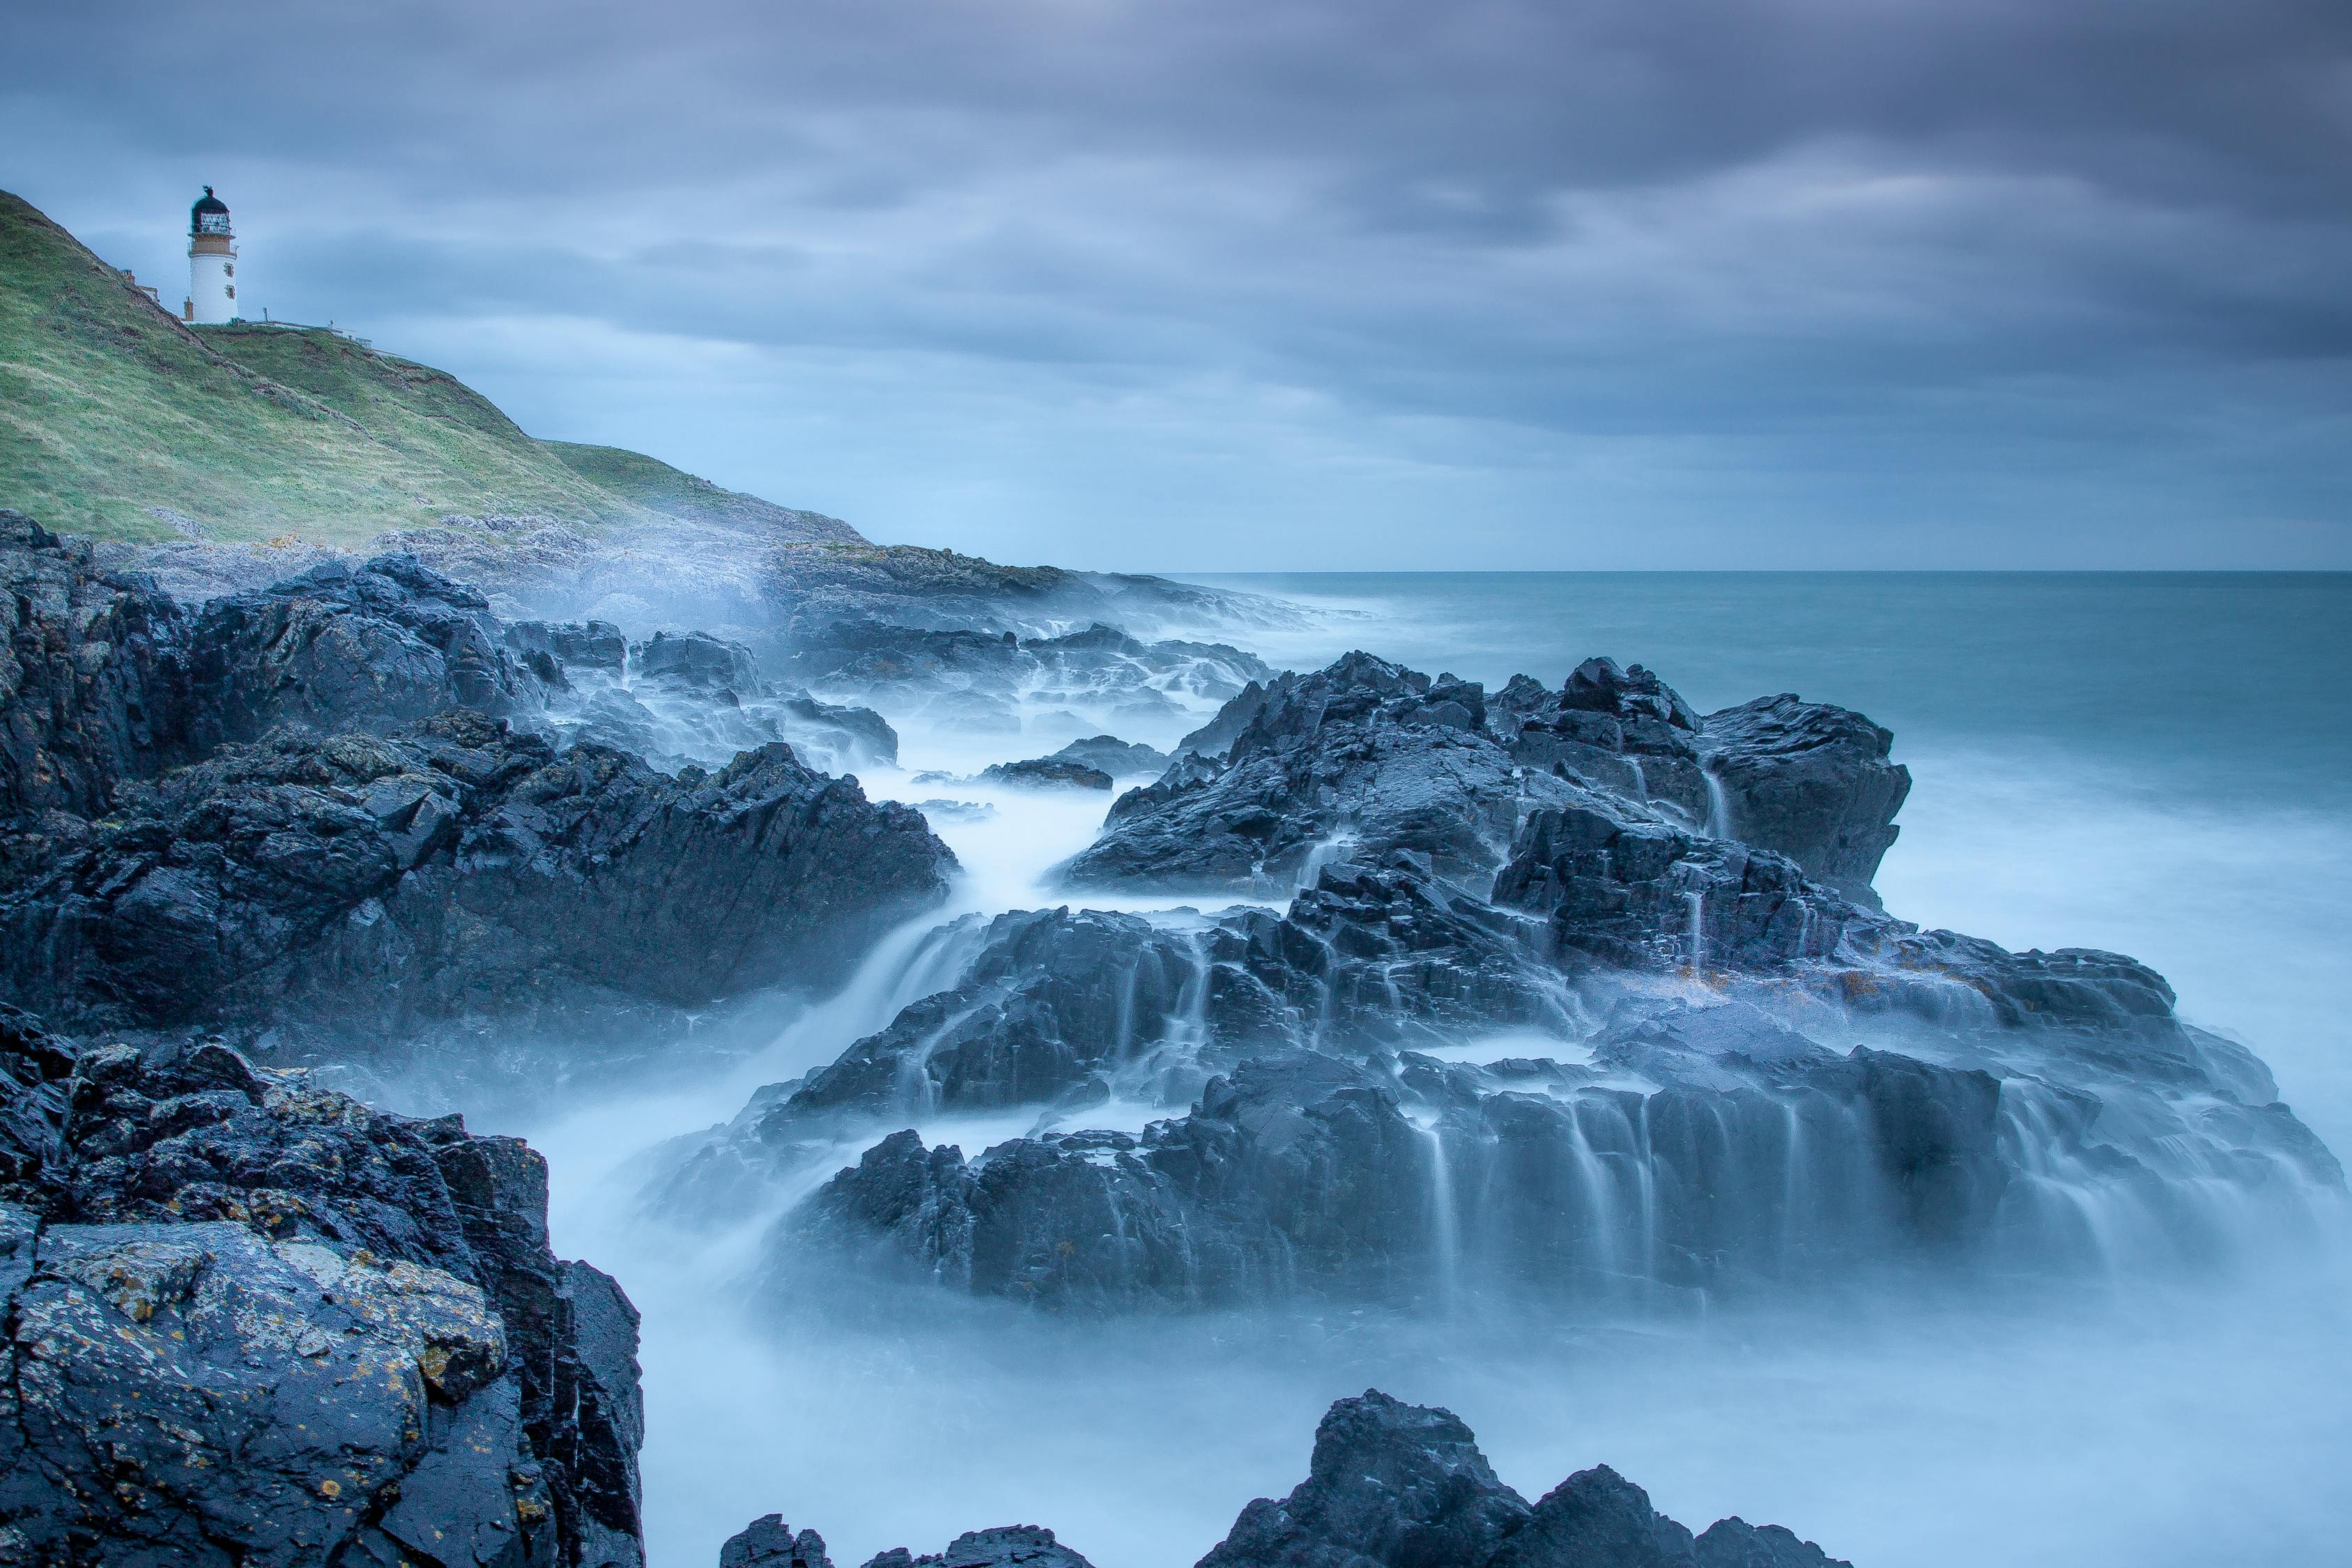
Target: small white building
column 212, row 263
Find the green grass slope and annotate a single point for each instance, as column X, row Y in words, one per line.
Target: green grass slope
column 118, row 421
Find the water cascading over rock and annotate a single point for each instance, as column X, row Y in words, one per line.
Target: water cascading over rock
column 1741, row 1078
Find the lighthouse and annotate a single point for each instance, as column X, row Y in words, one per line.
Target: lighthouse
column 212, row 263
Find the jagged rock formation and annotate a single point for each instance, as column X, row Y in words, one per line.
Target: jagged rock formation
column 1744, row 1080
column 1371, row 757
column 1363, row 758
column 362, row 866
column 454, row 868
column 343, row 648
column 1390, row 1484
column 1394, row 1485
column 90, row 689
column 253, row 1321
column 769, row 1542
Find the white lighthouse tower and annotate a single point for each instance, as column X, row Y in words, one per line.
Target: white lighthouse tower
column 212, row 263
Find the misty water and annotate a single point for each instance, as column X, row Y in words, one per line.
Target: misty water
column 2159, row 765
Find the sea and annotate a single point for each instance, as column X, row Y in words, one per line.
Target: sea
column 2158, row 764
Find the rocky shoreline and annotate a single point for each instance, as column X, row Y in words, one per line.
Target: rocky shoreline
column 1396, row 993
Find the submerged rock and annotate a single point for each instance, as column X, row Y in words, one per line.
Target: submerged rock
column 255, row 1322
column 1048, row 773
column 964, row 678
column 1109, row 755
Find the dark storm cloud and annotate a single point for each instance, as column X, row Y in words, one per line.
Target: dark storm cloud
column 1734, row 272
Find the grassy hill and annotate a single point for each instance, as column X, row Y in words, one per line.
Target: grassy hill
column 118, row 421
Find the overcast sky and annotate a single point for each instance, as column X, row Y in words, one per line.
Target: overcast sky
column 1201, row 284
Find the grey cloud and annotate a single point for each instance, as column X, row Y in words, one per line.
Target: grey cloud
column 2086, row 256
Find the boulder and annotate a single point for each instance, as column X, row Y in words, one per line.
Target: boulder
column 1808, row 781
column 1048, row 772
column 695, row 661
column 1620, row 730
column 253, row 1320
column 1394, row 1485
column 1391, row 1484
column 769, row 1542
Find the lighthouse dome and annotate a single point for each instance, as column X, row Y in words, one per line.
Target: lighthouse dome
column 209, row 214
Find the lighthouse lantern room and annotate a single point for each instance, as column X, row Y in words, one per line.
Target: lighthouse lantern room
column 212, row 263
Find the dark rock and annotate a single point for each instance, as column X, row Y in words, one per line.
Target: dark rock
column 1049, row 772
column 577, row 645
column 1619, row 730
column 1734, row 1543
column 1598, row 1518
column 1637, row 891
column 370, row 647
column 1364, row 756
column 769, row 1542
column 1006, row 1546
column 92, row 685
column 456, row 869
column 1060, row 1007
column 1109, row 755
column 1403, row 1486
column 697, row 661
column 1809, row 782
column 1391, row 1484
column 255, row 1322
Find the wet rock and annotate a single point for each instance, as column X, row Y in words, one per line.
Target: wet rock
column 695, row 661
column 1621, row 730
column 255, row 1322
column 1109, row 755
column 93, row 684
column 580, row 645
column 1066, row 1009
column 456, row 869
column 975, row 681
column 1391, row 1484
column 1006, row 1546
column 1048, row 772
column 769, row 1542
column 1635, row 890
column 1361, row 759
column 1809, row 782
column 1394, row 1485
column 369, row 648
